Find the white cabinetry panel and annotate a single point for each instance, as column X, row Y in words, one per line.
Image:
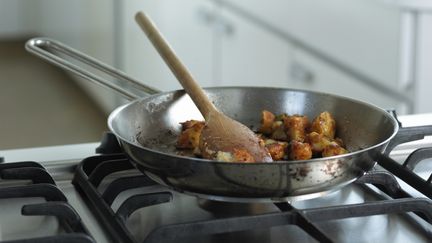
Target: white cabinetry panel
column 423, row 73
column 324, row 78
column 364, row 34
column 251, row 56
column 179, row 23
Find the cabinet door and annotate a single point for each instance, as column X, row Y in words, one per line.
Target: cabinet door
column 179, row 23
column 364, row 35
column 250, row 55
column 309, row 73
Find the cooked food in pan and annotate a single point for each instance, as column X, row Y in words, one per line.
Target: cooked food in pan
column 286, row 137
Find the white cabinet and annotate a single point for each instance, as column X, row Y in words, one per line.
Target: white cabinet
column 349, row 48
column 255, row 43
column 363, row 34
column 422, row 72
column 316, row 75
column 250, row 56
column 179, row 21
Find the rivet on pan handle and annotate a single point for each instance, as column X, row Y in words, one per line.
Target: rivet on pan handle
column 54, row 52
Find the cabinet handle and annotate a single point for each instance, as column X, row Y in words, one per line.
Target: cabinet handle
column 205, row 16
column 215, row 21
column 223, row 26
column 301, row 73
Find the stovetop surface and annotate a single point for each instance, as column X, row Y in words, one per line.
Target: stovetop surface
column 184, row 209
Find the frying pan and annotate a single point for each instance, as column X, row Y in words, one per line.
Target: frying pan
column 147, row 129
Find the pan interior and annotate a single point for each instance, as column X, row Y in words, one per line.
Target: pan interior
column 154, row 122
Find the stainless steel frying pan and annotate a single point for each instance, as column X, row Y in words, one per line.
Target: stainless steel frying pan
column 147, row 129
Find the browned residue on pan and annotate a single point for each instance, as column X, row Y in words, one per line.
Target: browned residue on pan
column 304, row 170
column 340, row 164
column 330, row 169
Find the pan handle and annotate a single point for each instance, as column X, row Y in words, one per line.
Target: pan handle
column 53, row 52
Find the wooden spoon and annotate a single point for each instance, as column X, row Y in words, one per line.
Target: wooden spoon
column 221, row 135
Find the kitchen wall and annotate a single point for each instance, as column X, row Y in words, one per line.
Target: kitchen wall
column 11, row 24
column 358, row 48
column 87, row 26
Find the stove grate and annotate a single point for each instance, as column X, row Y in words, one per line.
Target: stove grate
column 405, row 171
column 407, row 175
column 93, row 170
column 88, row 177
column 56, row 203
column 304, row 218
column 115, row 221
column 387, row 183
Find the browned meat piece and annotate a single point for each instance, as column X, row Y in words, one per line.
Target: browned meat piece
column 333, row 149
column 276, row 149
column 280, row 117
column 190, row 136
column 339, row 141
column 300, row 151
column 242, row 155
column 279, row 131
column 317, row 141
column 284, row 136
column 188, row 124
column 238, row 155
column 224, row 156
column 324, row 124
column 295, row 127
column 267, row 119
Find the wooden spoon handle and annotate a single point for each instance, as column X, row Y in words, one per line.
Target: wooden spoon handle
column 180, row 71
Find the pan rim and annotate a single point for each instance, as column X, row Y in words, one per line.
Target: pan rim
column 114, row 113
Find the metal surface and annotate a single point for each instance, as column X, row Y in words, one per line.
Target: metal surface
column 51, row 50
column 147, row 129
column 186, row 218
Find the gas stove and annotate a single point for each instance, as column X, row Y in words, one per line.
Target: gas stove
column 92, row 193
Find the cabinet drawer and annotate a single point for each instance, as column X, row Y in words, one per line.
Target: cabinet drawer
column 363, row 34
column 312, row 74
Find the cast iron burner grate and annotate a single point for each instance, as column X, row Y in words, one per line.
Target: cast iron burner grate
column 93, row 170
column 406, row 170
column 42, row 185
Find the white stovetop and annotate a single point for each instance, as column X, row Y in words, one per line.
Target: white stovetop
column 50, row 153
